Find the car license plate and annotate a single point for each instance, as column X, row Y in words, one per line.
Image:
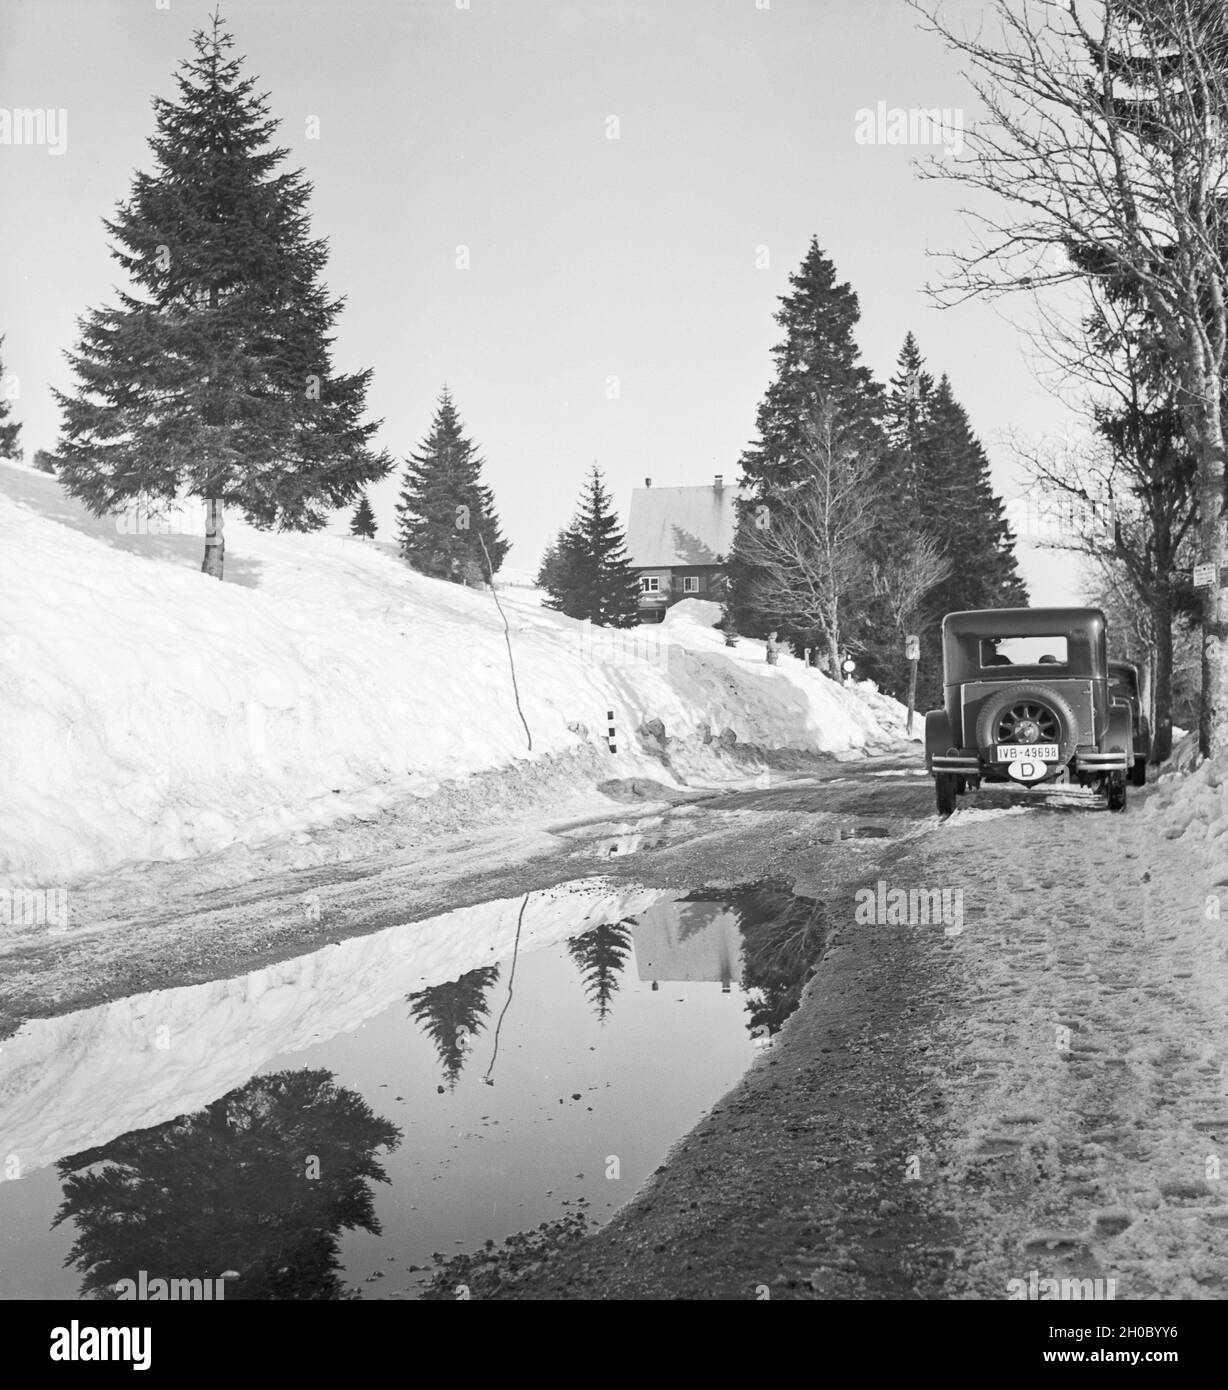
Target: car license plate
column 1035, row 752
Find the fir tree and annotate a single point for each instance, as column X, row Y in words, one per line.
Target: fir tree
column 909, row 400
column 816, row 363
column 445, row 513
column 959, row 507
column 9, row 429
column 556, row 572
column 586, row 572
column 452, row 1014
column 818, row 375
column 908, row 403
column 601, row 953
column 216, row 379
column 362, row 523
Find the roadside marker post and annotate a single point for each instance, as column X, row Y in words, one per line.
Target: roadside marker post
column 912, row 653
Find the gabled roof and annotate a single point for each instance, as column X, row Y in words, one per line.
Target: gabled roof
column 680, row 526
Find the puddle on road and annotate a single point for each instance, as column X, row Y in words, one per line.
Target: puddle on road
column 324, row 1124
column 617, row 846
column 865, row 832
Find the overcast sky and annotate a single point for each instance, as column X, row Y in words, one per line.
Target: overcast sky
column 654, row 258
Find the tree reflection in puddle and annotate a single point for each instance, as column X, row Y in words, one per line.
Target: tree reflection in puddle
column 601, row 954
column 617, row 1040
column 261, row 1182
column 452, row 1015
column 760, row 936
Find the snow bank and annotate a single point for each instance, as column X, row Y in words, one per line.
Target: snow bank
column 150, row 713
column 1191, row 801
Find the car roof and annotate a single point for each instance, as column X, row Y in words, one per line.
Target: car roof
column 1020, row 622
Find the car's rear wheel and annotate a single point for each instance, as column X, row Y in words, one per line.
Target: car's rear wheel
column 945, row 790
column 1138, row 773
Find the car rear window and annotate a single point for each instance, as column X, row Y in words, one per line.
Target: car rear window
column 1023, row 651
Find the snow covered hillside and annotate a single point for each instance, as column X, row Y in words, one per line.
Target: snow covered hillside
column 148, row 712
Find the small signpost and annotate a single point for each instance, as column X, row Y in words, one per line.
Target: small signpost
column 912, row 651
column 848, row 666
column 1204, row 576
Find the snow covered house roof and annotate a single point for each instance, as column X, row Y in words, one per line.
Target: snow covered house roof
column 680, row 526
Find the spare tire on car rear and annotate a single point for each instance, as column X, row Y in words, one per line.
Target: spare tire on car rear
column 1040, row 704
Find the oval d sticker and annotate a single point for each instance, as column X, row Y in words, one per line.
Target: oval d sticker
column 1026, row 770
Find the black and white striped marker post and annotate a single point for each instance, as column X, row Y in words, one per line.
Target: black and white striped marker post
column 610, row 737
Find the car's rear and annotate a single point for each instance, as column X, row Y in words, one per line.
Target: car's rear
column 1026, row 701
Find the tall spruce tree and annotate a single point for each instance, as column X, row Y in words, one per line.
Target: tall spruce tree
column 908, row 403
column 216, row 380
column 586, row 574
column 445, row 513
column 959, row 507
column 9, row 428
column 906, row 420
column 362, row 523
column 818, row 372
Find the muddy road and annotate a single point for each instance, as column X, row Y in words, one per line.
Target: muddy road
column 801, row 1039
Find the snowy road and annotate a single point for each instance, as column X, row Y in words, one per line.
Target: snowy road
column 1030, row 1083
column 1040, row 1092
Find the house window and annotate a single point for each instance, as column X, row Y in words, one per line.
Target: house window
column 650, row 584
column 690, row 584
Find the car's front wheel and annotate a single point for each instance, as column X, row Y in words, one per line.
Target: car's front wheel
column 1138, row 773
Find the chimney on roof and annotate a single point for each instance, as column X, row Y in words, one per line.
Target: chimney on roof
column 720, row 482
column 647, row 482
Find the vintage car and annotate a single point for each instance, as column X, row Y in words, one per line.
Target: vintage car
column 1126, row 683
column 1026, row 699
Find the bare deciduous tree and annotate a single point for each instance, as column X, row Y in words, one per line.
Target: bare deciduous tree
column 804, row 549
column 1107, row 131
column 1134, row 476
column 903, row 581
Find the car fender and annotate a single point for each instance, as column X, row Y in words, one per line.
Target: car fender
column 937, row 733
column 1120, row 733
